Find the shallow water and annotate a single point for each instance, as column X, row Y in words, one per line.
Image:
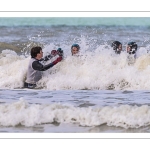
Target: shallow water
column 74, row 111
column 96, row 92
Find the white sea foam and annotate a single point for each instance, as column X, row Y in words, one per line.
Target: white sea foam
column 100, row 69
column 26, row 114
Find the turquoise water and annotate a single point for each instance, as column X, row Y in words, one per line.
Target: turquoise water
column 98, row 92
column 48, row 21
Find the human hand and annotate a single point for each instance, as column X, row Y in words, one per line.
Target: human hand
column 54, row 52
column 60, row 52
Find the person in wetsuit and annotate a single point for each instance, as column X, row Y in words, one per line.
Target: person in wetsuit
column 117, row 47
column 35, row 67
column 132, row 48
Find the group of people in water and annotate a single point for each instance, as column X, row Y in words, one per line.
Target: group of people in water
column 131, row 47
column 36, row 67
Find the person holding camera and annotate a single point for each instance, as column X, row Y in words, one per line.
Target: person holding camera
column 35, row 67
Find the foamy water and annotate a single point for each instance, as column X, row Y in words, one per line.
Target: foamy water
column 92, row 70
column 80, row 110
column 97, row 91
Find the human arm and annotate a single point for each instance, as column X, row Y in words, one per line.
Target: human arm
column 47, row 57
column 51, row 55
column 36, row 65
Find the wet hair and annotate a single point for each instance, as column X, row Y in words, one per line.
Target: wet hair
column 115, row 45
column 75, row 45
column 35, row 50
column 133, row 47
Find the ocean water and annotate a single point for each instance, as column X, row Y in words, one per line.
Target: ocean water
column 98, row 92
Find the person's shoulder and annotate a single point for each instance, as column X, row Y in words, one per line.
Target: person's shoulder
column 36, row 60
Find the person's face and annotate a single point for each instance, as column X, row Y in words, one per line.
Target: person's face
column 128, row 48
column 120, row 47
column 74, row 50
column 40, row 55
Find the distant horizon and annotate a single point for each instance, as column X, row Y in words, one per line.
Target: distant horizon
column 82, row 21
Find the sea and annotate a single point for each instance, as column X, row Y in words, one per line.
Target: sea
column 96, row 92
